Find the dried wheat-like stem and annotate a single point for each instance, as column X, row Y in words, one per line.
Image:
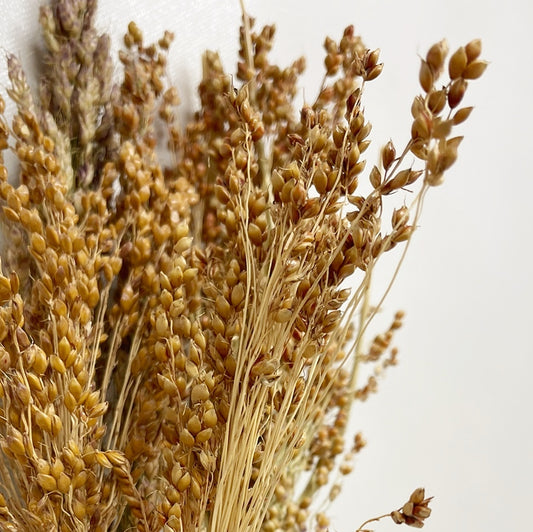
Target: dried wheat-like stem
column 178, row 346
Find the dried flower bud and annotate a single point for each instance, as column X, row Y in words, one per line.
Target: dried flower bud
column 473, row 50
column 475, row 69
column 436, row 56
column 457, row 64
column 456, row 92
column 388, row 154
column 461, row 115
column 426, row 76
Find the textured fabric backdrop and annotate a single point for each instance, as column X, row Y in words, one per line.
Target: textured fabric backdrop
column 455, row 416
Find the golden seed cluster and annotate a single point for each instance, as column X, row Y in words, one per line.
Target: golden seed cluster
column 178, row 343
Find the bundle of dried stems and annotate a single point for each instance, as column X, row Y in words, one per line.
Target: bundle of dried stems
column 178, row 345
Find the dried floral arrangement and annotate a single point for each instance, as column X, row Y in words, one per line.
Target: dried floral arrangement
column 179, row 346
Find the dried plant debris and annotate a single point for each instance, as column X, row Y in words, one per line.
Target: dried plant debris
column 178, row 345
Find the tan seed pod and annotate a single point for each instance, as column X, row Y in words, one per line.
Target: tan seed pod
column 364, row 131
column 42, row 466
column 298, row 195
column 183, row 245
column 238, row 293
column 186, row 438
column 63, row 483
column 449, row 156
column 363, row 145
column 204, row 435
column 426, row 77
column 103, row 460
column 255, row 234
column 175, row 511
column 475, row 69
column 80, row 479
column 44, row 422
column 223, row 307
column 457, row 64
column 373, row 73
column 437, row 101
column 57, row 364
column 117, row 458
column 473, row 50
column 75, row 388
column 47, row 482
column 15, row 442
column 176, row 474
column 184, row 482
column 91, row 399
column 57, row 468
column 318, row 140
column 200, row 341
column 23, row 195
column 265, row 368
column 400, row 217
column 5, row 359
column 230, row 363
column 397, row 517
column 436, row 55
column 98, row 410
column 285, row 194
column 57, row 425
column 52, row 391
column 277, row 182
column 10, row 214
column 422, row 512
column 388, row 154
column 403, row 234
column 161, row 325
column 194, row 426
column 353, row 155
column 182, row 326
column 38, row 243
column 190, row 274
column 199, row 393
column 408, row 508
column 399, row 180
column 63, row 348
column 421, row 127
column 191, row 369
column 456, row 92
column 461, row 115
column 167, row 385
column 371, row 58
column 209, row 419
column 196, row 489
column 441, row 128
column 79, row 508
column 70, row 402
column 282, row 315
column 23, row 394
column 338, row 135
column 357, row 169
column 15, row 284
column 417, row 496
column 5, row 289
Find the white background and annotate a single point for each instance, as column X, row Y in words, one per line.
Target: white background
column 455, row 416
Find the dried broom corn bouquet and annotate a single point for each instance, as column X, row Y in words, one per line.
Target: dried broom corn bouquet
column 178, row 344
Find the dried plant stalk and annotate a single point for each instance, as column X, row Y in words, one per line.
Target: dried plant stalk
column 179, row 348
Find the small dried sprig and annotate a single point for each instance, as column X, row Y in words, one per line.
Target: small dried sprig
column 413, row 513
